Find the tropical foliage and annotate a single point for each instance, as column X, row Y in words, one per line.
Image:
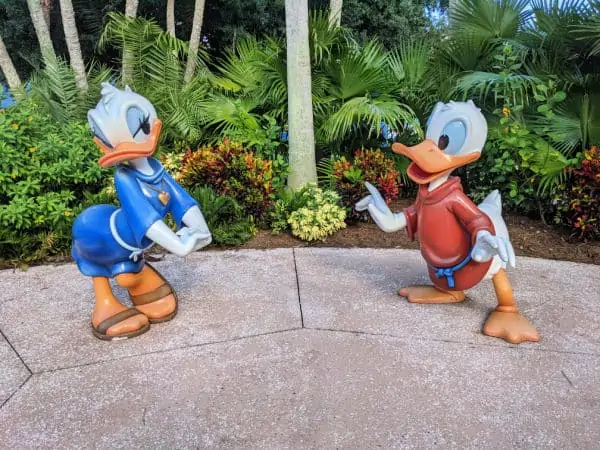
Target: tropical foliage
column 313, row 213
column 578, row 205
column 231, row 170
column 348, row 178
column 226, row 219
column 48, row 174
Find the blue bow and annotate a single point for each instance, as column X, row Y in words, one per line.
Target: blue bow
column 448, row 272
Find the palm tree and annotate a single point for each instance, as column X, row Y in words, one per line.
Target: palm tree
column 47, row 8
column 335, row 12
column 171, row 16
column 300, row 114
column 41, row 30
column 194, row 40
column 70, row 28
column 131, row 7
column 8, row 68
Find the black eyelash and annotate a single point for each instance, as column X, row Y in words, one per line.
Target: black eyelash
column 103, row 141
column 144, row 126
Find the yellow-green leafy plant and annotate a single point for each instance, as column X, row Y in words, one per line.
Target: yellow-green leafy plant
column 319, row 217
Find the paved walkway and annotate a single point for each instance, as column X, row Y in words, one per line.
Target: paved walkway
column 304, row 348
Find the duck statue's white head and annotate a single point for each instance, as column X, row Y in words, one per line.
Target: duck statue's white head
column 456, row 134
column 124, row 124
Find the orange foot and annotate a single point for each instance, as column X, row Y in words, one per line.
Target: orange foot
column 151, row 294
column 117, row 321
column 430, row 294
column 510, row 326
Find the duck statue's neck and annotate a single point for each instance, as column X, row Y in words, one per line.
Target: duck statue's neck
column 142, row 165
column 437, row 182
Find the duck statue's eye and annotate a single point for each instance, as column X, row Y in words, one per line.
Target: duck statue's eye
column 138, row 122
column 443, row 142
column 453, row 137
column 145, row 125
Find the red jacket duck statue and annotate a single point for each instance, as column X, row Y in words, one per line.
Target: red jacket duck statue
column 461, row 242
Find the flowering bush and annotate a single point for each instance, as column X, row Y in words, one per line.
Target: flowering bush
column 348, row 179
column 320, row 215
column 48, row 174
column 579, row 203
column 172, row 162
column 233, row 171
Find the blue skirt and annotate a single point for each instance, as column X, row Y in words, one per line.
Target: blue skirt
column 94, row 248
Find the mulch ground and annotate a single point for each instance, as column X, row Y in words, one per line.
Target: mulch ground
column 529, row 238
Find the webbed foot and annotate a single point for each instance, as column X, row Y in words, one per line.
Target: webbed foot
column 430, row 294
column 511, row 326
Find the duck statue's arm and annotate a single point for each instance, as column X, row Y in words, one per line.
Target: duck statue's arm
column 193, row 219
column 385, row 219
column 182, row 243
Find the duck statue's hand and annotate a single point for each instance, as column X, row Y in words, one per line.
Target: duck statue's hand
column 487, row 246
column 194, row 219
column 385, row 219
column 200, row 237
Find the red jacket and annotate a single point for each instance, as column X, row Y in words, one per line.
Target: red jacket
column 446, row 222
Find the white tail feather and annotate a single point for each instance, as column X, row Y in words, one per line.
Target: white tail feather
column 494, row 199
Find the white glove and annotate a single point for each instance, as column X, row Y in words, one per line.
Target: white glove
column 385, row 219
column 194, row 219
column 487, row 246
column 200, row 237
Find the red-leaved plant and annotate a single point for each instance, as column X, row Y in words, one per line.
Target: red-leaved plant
column 579, row 203
column 368, row 165
column 233, row 171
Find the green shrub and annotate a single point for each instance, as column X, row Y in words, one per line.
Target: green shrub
column 225, row 217
column 48, row 174
column 348, row 179
column 518, row 160
column 499, row 168
column 233, row 171
column 311, row 213
column 288, row 201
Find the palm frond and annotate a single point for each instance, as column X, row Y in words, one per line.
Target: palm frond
column 359, row 70
column 489, row 19
column 54, row 87
column 325, row 39
column 370, row 111
column 518, row 87
column 589, row 30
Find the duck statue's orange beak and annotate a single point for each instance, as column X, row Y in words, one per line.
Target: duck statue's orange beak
column 429, row 162
column 126, row 151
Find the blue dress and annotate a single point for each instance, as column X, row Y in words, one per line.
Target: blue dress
column 108, row 241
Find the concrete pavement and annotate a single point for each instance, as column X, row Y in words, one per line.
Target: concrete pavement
column 301, row 348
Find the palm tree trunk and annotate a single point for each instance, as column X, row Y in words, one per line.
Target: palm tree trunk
column 300, row 115
column 47, row 8
column 171, row 17
column 8, row 68
column 72, row 38
column 41, row 29
column 194, row 40
column 131, row 7
column 335, row 12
